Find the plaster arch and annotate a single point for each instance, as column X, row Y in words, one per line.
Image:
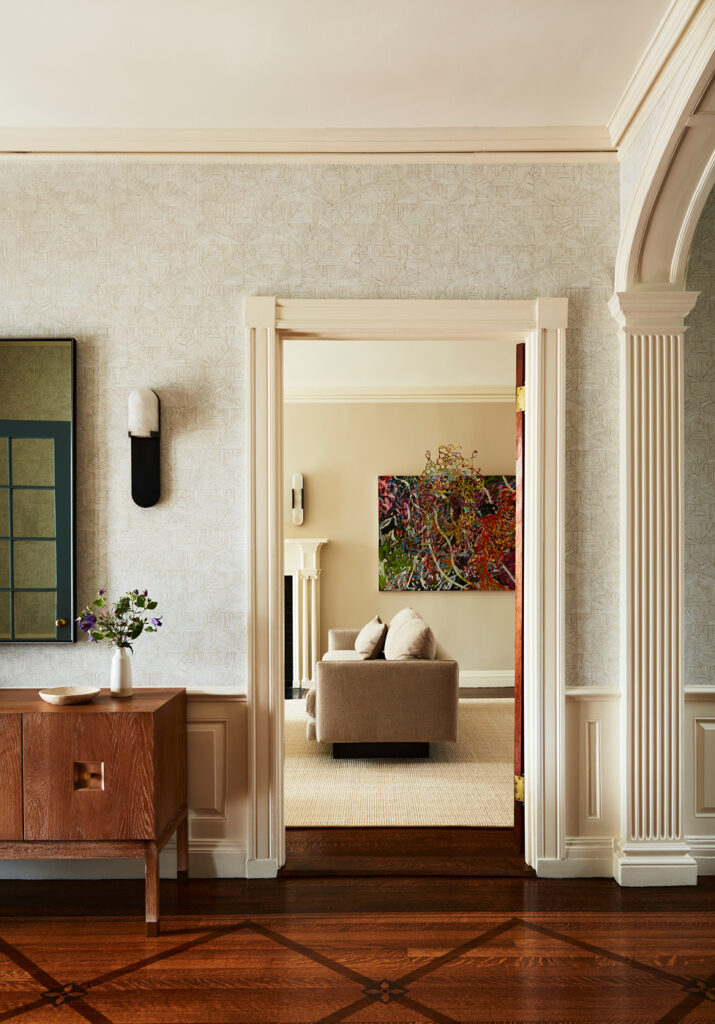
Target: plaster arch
column 677, row 177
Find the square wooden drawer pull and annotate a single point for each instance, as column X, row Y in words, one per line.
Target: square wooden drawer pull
column 88, row 775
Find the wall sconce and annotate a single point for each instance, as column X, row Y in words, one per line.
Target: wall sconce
column 144, row 423
column 297, row 499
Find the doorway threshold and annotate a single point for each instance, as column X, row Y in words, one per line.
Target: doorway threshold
column 371, row 852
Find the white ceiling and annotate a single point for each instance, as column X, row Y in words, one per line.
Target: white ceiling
column 277, row 64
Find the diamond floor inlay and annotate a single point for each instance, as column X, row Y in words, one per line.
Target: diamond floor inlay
column 394, row 968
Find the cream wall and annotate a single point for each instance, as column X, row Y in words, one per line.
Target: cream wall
column 341, row 449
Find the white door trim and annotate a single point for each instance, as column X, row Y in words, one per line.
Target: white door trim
column 541, row 323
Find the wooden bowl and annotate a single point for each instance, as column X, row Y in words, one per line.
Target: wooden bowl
column 69, row 694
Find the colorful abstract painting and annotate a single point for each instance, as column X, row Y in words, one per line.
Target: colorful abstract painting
column 450, row 528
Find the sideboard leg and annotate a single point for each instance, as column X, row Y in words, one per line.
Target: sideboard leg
column 151, row 870
column 182, row 849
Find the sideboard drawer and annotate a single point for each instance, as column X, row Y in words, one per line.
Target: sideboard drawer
column 10, row 776
column 88, row 776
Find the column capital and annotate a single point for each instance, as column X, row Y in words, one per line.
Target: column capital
column 652, row 312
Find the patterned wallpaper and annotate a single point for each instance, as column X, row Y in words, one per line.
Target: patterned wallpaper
column 147, row 265
column 699, row 448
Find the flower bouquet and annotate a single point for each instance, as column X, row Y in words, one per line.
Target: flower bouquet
column 120, row 624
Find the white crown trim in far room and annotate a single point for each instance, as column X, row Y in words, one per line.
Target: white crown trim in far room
column 465, row 393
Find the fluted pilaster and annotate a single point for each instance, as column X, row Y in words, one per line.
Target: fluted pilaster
column 652, row 850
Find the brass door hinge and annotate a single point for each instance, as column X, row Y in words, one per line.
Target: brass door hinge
column 519, row 788
column 521, row 398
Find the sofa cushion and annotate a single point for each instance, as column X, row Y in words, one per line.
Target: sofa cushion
column 343, row 656
column 371, row 638
column 411, row 640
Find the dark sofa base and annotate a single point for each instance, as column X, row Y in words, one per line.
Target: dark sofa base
column 345, row 750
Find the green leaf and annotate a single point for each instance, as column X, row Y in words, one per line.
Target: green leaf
column 136, row 629
column 151, row 605
column 97, row 635
column 149, row 629
column 140, row 601
column 99, row 602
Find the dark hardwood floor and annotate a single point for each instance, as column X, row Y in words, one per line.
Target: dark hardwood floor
column 400, row 950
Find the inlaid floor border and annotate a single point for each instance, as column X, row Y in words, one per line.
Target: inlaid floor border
column 75, row 996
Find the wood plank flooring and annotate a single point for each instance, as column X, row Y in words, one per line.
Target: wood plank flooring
column 400, row 950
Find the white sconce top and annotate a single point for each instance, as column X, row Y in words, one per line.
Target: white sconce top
column 143, row 413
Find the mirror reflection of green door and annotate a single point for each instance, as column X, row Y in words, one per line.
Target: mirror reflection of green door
column 36, row 468
column 35, row 531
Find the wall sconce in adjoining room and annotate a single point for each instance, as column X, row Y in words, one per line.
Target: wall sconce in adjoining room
column 144, row 430
column 297, row 499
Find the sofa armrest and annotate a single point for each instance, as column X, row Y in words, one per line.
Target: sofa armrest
column 342, row 639
column 387, row 701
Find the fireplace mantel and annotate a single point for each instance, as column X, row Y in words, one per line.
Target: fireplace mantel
column 302, row 555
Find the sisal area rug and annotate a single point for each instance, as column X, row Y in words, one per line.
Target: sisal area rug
column 470, row 782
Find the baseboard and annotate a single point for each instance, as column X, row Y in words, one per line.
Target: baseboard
column 702, row 849
column 217, row 858
column 654, row 863
column 265, row 868
column 496, row 677
column 208, row 858
column 586, row 857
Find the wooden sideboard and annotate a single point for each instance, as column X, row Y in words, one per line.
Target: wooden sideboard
column 104, row 779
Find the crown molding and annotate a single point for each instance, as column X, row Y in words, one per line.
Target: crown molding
column 427, row 143
column 484, row 393
column 686, row 24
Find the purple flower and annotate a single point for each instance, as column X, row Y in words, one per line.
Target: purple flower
column 156, row 622
column 101, row 592
column 87, row 621
column 145, row 593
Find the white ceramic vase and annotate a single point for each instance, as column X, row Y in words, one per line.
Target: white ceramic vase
column 120, row 679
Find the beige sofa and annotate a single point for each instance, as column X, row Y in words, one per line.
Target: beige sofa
column 377, row 708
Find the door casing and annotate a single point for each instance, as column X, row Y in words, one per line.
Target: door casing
column 541, row 324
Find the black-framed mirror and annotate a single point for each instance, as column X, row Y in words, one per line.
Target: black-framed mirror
column 37, row 490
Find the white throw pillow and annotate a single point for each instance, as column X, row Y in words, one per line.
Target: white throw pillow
column 404, row 616
column 371, row 638
column 411, row 639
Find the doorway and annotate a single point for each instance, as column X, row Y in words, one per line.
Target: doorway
column 539, row 323
column 390, row 440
